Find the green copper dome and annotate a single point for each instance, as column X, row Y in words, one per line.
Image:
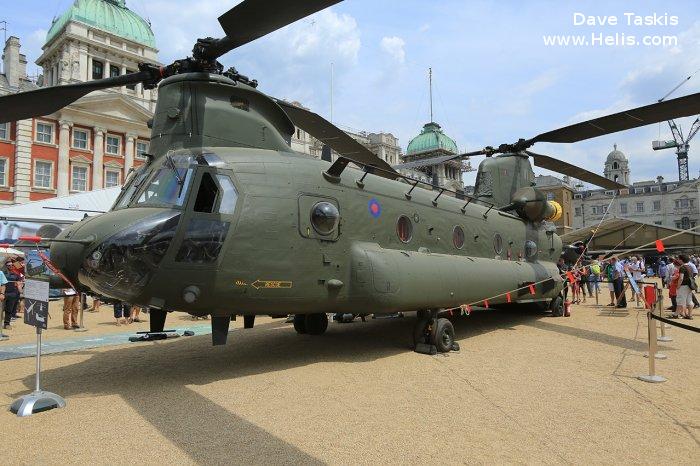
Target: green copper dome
column 108, row 15
column 431, row 139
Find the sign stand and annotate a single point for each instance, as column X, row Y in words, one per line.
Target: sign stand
column 39, row 400
column 36, row 314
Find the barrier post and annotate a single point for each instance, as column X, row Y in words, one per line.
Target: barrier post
column 651, row 377
column 83, row 301
column 659, row 312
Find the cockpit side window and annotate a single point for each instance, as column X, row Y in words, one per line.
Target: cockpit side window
column 229, row 195
column 206, row 194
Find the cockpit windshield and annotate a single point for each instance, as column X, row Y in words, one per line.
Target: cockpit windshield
column 165, row 186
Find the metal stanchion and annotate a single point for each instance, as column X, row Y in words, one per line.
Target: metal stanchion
column 3, row 337
column 83, row 302
column 38, row 400
column 659, row 312
column 651, row 377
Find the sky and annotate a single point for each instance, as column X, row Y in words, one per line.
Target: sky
column 495, row 79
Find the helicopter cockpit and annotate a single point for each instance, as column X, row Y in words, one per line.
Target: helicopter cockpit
column 177, row 214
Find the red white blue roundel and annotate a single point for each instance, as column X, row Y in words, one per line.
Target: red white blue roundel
column 375, row 209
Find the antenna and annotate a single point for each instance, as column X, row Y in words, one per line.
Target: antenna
column 430, row 85
column 331, row 92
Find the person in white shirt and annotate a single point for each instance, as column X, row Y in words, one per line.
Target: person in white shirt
column 636, row 267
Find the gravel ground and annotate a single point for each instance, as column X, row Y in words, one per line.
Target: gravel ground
column 525, row 388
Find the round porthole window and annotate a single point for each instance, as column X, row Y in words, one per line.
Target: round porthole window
column 498, row 244
column 324, row 218
column 458, row 237
column 404, row 229
column 530, row 249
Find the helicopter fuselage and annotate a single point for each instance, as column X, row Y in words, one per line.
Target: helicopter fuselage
column 249, row 245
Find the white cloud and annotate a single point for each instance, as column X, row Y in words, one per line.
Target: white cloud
column 394, row 47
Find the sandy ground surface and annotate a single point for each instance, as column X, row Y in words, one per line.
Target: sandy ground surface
column 525, row 388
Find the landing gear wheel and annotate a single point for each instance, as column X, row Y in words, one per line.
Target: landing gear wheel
column 443, row 335
column 300, row 323
column 316, row 323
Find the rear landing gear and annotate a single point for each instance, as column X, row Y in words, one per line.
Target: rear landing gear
column 313, row 324
column 433, row 334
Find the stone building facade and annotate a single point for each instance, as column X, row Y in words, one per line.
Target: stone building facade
column 669, row 204
column 561, row 191
column 94, row 142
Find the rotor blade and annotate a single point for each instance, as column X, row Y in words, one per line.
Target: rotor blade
column 435, row 160
column 556, row 165
column 46, row 100
column 640, row 116
column 336, row 138
column 252, row 19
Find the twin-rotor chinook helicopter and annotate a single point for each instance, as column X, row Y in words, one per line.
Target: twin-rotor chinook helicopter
column 225, row 219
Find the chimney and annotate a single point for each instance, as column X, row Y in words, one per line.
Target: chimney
column 14, row 63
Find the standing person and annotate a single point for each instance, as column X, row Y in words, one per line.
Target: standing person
column 96, row 303
column 661, row 271
column 673, row 288
column 685, row 289
column 637, row 268
column 561, row 265
column 135, row 312
column 122, row 313
column 618, row 283
column 3, row 282
column 71, row 306
column 594, row 277
column 610, row 276
column 694, row 269
column 13, row 289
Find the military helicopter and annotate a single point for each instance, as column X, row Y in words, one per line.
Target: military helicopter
column 225, row 219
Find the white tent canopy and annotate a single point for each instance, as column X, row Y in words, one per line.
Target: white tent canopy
column 62, row 210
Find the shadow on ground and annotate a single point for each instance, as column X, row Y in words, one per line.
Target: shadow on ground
column 153, row 378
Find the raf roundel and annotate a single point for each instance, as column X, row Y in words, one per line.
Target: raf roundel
column 375, row 209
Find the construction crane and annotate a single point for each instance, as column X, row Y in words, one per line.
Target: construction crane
column 682, row 144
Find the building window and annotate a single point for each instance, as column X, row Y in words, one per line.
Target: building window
column 43, row 174
column 610, row 193
column 577, row 212
column 623, row 207
column 683, row 203
column 79, row 178
column 44, row 132
column 114, row 71
column 594, row 210
column 640, row 207
column 578, row 196
column 3, row 172
column 80, row 139
column 113, row 145
column 112, row 178
column 657, row 206
column 141, row 149
column 98, row 69
column 678, row 225
column 658, row 223
column 638, row 190
column 4, row 131
column 550, row 196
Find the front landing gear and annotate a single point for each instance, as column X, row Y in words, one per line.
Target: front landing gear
column 433, row 334
column 313, row 324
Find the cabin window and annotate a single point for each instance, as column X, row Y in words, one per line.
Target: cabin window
column 324, row 218
column 498, row 244
column 404, row 229
column 458, row 237
column 206, row 196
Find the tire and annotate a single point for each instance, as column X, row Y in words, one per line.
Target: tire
column 443, row 335
column 317, row 323
column 300, row 323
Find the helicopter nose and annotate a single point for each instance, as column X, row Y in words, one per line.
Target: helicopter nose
column 123, row 263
